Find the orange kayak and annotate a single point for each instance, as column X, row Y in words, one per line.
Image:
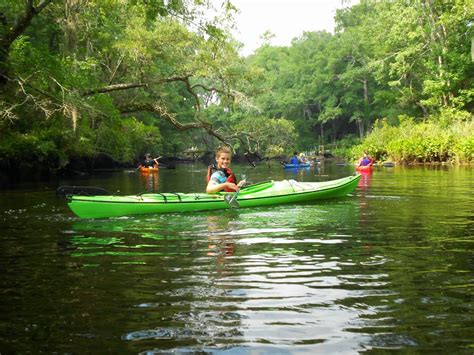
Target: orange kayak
column 144, row 169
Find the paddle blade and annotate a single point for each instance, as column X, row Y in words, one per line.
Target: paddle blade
column 64, row 191
column 231, row 200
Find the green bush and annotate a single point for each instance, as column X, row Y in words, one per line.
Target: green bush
column 463, row 149
column 344, row 146
column 429, row 141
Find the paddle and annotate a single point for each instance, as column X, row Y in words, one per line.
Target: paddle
column 64, row 191
column 154, row 159
column 231, row 200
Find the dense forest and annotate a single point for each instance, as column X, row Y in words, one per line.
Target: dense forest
column 81, row 80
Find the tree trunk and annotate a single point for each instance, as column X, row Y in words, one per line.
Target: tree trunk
column 71, row 9
column 360, row 125
column 366, row 111
column 322, row 136
column 366, row 92
column 472, row 49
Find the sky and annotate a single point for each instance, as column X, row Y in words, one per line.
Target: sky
column 286, row 19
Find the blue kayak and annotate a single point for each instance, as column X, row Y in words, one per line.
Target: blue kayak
column 296, row 166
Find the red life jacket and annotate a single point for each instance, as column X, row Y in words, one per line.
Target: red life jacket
column 228, row 173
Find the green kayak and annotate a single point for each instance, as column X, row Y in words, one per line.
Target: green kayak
column 261, row 194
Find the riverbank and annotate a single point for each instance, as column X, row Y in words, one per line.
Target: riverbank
column 410, row 142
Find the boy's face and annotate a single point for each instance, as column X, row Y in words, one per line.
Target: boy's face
column 223, row 160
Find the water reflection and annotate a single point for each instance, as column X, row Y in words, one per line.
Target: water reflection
column 386, row 269
column 364, row 199
column 221, row 243
column 365, row 179
column 150, row 181
column 298, row 173
column 266, row 276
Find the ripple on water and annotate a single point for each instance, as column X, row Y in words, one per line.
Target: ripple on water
column 388, row 268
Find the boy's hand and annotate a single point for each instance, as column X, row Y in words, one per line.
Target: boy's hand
column 232, row 186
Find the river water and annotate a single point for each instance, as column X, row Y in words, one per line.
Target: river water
column 389, row 267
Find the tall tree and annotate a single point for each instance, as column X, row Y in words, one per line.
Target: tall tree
column 98, row 61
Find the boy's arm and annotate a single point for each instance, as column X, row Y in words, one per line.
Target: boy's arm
column 213, row 187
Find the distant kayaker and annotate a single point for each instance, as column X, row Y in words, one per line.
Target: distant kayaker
column 366, row 160
column 219, row 175
column 302, row 158
column 150, row 162
column 294, row 158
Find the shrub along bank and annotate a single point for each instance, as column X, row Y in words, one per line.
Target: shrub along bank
column 409, row 141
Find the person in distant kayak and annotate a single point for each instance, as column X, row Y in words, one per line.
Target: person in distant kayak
column 150, row 162
column 302, row 158
column 366, row 160
column 294, row 159
column 219, row 175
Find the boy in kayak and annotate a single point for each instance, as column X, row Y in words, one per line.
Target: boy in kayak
column 150, row 162
column 219, row 175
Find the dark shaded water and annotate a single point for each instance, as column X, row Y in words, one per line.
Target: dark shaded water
column 390, row 267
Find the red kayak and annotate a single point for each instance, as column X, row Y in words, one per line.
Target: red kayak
column 363, row 168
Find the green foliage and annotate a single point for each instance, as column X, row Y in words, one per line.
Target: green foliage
column 423, row 142
column 272, row 137
column 50, row 147
column 409, row 64
column 345, row 146
column 70, row 49
column 127, row 139
column 463, row 149
column 385, row 60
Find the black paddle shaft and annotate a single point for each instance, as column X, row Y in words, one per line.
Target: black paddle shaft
column 64, row 191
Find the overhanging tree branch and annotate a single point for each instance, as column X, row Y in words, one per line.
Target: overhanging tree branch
column 12, row 29
column 169, row 117
column 22, row 21
column 127, row 86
